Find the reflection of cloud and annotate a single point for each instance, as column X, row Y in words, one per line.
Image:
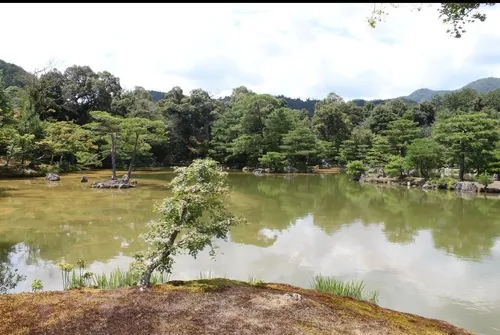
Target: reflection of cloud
column 414, row 277
column 301, row 50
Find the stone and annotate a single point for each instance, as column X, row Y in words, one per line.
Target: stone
column 52, row 177
column 83, row 179
column 465, row 186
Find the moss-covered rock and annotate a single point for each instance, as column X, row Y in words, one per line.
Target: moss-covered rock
column 210, row 306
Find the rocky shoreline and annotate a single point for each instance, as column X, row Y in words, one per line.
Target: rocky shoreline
column 459, row 186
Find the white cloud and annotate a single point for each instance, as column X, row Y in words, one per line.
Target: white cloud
column 299, row 50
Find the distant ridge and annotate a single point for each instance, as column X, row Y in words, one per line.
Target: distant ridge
column 484, row 85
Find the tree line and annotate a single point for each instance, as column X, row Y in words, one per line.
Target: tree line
column 82, row 118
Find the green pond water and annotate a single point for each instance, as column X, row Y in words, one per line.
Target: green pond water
column 428, row 253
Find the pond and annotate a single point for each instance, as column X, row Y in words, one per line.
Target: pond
column 428, row 253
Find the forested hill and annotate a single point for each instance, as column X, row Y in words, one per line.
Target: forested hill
column 484, row 85
column 13, row 75
column 297, row 103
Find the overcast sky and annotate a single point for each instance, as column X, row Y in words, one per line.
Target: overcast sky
column 298, row 50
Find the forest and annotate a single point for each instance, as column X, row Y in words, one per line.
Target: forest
column 63, row 121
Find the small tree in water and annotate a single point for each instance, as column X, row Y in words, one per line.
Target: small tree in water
column 190, row 219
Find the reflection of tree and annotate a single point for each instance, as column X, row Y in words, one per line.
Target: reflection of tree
column 73, row 221
column 9, row 278
column 464, row 228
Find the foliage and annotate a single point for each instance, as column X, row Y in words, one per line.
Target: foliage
column 395, row 166
column 425, row 155
column 190, row 219
column 355, row 169
column 458, row 15
column 63, row 120
column 443, row 182
column 400, row 133
column 80, row 277
column 273, row 160
column 9, row 278
column 469, row 138
column 484, row 179
column 36, row 285
column 353, row 289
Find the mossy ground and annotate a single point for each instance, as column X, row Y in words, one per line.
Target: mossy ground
column 208, row 306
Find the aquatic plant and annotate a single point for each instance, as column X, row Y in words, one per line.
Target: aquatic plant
column 36, row 285
column 77, row 278
column 354, row 289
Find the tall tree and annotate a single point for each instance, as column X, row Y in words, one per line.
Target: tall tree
column 425, row 155
column 400, row 133
column 469, row 139
column 105, row 124
column 138, row 131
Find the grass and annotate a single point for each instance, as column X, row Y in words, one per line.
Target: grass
column 124, row 278
column 256, row 281
column 79, row 277
column 352, row 288
column 207, row 275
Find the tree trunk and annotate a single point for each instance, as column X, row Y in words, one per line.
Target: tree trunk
column 129, row 173
column 145, row 279
column 424, row 173
column 51, row 159
column 462, row 167
column 113, row 155
column 61, row 159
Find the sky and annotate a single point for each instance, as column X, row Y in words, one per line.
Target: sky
column 298, row 50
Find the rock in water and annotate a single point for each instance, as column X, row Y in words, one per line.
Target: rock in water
column 465, row 186
column 113, row 184
column 52, row 177
column 84, row 179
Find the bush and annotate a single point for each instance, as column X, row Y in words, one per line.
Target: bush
column 443, row 183
column 395, row 167
column 355, row 169
column 484, row 179
column 274, row 160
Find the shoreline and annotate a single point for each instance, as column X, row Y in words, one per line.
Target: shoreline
column 421, row 183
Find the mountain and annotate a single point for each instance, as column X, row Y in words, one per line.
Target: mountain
column 13, row 75
column 157, row 95
column 484, row 85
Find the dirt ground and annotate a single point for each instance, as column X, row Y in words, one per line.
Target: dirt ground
column 214, row 306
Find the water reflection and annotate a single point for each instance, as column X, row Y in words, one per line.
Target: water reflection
column 428, row 253
column 461, row 227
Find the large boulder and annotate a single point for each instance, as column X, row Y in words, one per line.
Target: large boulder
column 290, row 169
column 465, row 186
column 52, row 177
